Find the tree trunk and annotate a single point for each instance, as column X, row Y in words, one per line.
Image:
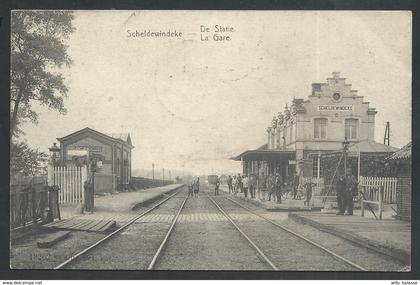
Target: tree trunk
column 14, row 115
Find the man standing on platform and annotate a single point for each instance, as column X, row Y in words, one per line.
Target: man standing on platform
column 340, row 189
column 229, row 183
column 351, row 190
column 278, row 187
column 245, row 182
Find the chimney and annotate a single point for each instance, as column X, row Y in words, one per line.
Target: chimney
column 316, row 87
column 336, row 75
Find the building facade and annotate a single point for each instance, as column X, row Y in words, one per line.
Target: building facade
column 112, row 153
column 297, row 137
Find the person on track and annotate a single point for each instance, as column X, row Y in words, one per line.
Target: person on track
column 196, row 187
column 190, row 189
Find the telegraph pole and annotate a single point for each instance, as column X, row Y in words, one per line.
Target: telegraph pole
column 153, row 171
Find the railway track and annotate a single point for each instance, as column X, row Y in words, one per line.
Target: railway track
column 352, row 255
column 284, row 229
column 88, row 249
column 276, row 246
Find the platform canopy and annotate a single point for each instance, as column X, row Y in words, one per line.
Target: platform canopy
column 264, row 154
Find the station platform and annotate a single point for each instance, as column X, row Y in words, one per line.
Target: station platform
column 388, row 236
column 287, row 205
column 117, row 207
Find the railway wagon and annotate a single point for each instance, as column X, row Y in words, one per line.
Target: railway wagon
column 212, row 179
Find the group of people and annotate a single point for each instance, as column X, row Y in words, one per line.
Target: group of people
column 194, row 188
column 242, row 184
column 346, row 189
column 269, row 187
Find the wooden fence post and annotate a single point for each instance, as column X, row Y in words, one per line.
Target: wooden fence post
column 380, row 201
column 362, row 202
column 33, row 200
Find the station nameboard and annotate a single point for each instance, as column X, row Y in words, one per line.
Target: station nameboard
column 91, row 148
column 335, row 108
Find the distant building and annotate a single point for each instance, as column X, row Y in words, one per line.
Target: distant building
column 308, row 128
column 111, row 151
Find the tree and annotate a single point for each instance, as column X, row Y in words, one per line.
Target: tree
column 26, row 161
column 38, row 50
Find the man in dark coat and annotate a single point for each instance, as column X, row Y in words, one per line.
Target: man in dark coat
column 216, row 187
column 229, row 183
column 278, row 184
column 340, row 189
column 351, row 190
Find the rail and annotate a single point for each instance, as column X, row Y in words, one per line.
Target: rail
column 162, row 245
column 89, row 248
column 335, row 255
column 260, row 252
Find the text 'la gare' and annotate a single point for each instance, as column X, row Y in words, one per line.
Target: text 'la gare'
column 221, row 33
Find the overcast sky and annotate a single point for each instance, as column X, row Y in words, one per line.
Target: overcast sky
column 193, row 104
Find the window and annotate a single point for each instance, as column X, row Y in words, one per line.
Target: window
column 350, row 129
column 320, row 128
column 291, row 133
column 316, row 166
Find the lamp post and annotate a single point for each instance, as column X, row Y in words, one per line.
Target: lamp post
column 345, row 148
column 53, row 192
column 54, row 149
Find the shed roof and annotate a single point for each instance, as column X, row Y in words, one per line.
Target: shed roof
column 402, row 153
column 369, row 146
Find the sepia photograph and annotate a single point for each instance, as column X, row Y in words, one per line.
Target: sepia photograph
column 211, row 140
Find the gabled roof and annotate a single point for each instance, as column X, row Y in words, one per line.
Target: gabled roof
column 125, row 139
column 122, row 136
column 402, row 153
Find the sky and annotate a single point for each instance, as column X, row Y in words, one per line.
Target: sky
column 190, row 104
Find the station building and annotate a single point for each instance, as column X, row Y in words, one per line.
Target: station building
column 298, row 136
column 111, row 151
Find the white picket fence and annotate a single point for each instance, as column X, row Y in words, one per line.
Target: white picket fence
column 370, row 186
column 70, row 179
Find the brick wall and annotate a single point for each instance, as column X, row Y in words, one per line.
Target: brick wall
column 404, row 198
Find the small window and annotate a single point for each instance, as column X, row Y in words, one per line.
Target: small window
column 350, row 129
column 291, row 133
column 320, row 128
